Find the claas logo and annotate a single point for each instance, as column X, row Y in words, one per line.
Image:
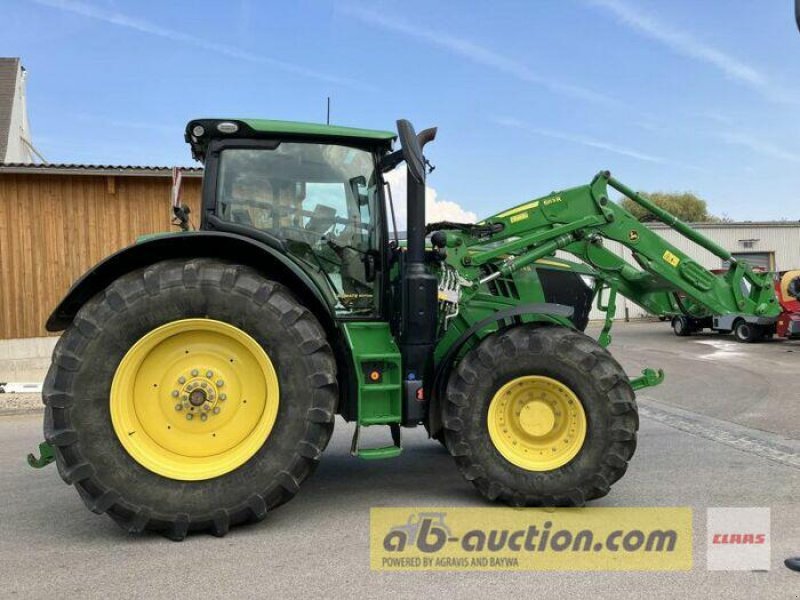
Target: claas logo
column 739, row 538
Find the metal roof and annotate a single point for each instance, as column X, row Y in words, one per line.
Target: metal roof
column 9, row 71
column 730, row 224
column 107, row 170
column 201, row 132
column 317, row 129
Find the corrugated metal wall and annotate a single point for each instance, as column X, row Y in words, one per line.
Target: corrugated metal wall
column 54, row 227
column 779, row 239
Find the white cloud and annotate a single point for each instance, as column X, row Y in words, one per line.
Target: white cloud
column 687, row 45
column 150, row 28
column 435, row 209
column 760, row 146
column 578, row 139
column 476, row 53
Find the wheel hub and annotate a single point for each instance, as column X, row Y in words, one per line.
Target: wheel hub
column 200, row 391
column 168, row 406
column 197, row 398
column 537, row 418
column 537, row 423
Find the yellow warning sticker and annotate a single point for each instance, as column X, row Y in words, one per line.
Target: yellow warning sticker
column 671, row 259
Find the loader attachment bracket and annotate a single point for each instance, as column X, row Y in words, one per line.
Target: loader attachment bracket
column 648, row 378
column 46, row 456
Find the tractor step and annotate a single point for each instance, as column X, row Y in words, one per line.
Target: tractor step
column 380, row 452
column 377, row 364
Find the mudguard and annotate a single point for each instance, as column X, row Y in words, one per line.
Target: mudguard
column 261, row 256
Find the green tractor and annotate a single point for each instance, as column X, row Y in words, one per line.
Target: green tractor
column 197, row 381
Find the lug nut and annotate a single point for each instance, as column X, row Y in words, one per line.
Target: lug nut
column 181, row 379
column 223, row 397
column 220, row 383
column 195, row 372
column 179, row 407
column 189, row 417
column 203, row 417
column 216, row 410
column 206, row 406
column 175, row 393
column 209, row 374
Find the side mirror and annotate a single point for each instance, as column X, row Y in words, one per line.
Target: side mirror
column 412, row 151
column 797, row 12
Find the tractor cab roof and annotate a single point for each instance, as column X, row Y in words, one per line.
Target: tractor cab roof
column 200, row 132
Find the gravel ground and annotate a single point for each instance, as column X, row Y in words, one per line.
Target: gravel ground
column 20, row 403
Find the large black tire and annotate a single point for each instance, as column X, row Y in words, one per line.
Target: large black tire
column 76, row 393
column 569, row 357
column 682, row 326
column 747, row 333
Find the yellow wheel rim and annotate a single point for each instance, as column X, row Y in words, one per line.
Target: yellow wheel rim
column 537, row 423
column 194, row 399
column 785, row 281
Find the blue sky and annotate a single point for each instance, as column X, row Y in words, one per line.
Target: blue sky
column 529, row 96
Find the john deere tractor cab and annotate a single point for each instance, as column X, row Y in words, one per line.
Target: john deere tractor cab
column 199, row 374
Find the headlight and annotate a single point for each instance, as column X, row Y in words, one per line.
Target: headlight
column 227, row 127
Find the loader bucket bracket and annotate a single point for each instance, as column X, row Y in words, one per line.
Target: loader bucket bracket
column 46, row 456
column 648, row 378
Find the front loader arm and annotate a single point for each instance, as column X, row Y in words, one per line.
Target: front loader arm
column 577, row 220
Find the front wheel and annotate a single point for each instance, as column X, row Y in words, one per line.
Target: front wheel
column 540, row 416
column 190, row 396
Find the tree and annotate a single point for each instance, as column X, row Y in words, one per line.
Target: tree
column 686, row 206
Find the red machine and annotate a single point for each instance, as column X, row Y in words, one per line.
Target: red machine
column 787, row 288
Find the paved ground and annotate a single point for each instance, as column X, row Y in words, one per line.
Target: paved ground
column 723, row 431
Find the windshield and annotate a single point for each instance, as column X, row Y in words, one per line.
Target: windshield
column 319, row 199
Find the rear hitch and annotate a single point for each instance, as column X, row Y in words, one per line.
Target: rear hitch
column 46, row 456
column 648, row 378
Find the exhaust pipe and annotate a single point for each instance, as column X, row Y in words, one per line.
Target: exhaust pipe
column 419, row 287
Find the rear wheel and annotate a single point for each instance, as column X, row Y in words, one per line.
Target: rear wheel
column 681, row 326
column 540, row 416
column 746, row 332
column 190, row 397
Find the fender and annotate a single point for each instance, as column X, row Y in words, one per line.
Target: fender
column 262, row 256
column 439, row 386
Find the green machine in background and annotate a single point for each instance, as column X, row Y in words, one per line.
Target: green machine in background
column 199, row 374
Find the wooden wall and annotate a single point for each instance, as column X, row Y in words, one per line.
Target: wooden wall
column 54, row 227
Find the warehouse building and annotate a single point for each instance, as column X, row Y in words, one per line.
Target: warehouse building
column 56, row 221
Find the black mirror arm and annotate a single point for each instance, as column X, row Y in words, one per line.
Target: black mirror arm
column 390, row 161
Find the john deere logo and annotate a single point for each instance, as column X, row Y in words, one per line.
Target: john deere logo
column 633, row 235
